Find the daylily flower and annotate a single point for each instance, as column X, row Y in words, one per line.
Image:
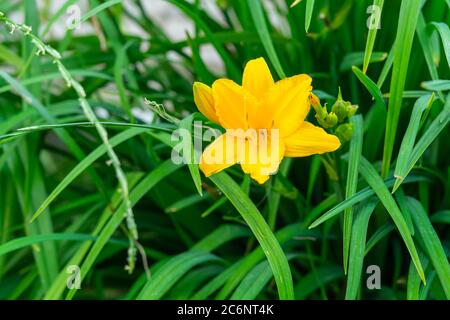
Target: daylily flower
column 263, row 119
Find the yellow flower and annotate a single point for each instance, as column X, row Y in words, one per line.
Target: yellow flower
column 264, row 122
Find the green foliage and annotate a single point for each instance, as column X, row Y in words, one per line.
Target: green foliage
column 85, row 180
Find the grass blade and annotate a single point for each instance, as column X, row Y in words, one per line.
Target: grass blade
column 347, row 203
column 308, row 13
column 433, row 245
column 428, row 137
column 376, row 183
column 155, row 176
column 257, row 14
column 371, row 36
column 190, row 157
column 172, row 271
column 262, row 232
column 436, row 85
column 409, row 138
column 370, row 86
column 357, row 59
column 357, row 248
column 83, row 165
column 409, row 13
column 444, row 32
column 352, row 181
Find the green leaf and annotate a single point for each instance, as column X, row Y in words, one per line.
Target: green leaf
column 409, row 13
column 436, row 85
column 371, row 36
column 315, row 279
column 409, row 138
column 425, row 42
column 347, row 203
column 352, row 181
column 376, row 183
column 188, row 145
column 444, row 32
column 22, row 242
column 84, row 164
column 147, row 183
column 98, row 9
column 255, row 281
column 441, row 217
column 433, row 245
column 169, row 272
column 257, row 13
column 370, row 86
column 308, row 13
column 357, row 58
column 357, row 247
column 172, row 271
column 427, row 138
column 262, row 232
column 248, row 262
column 414, row 283
column 231, row 67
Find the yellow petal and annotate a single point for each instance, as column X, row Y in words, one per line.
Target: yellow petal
column 257, row 78
column 219, row 155
column 289, row 100
column 204, row 101
column 309, row 140
column 262, row 158
column 260, row 178
column 232, row 103
column 258, row 81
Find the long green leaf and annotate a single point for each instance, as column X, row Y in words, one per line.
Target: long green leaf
column 427, row 138
column 85, row 163
column 155, row 176
column 433, row 245
column 444, row 32
column 371, row 36
column 376, row 183
column 257, row 14
column 352, row 181
column 262, row 232
column 409, row 138
column 308, row 13
column 357, row 248
column 409, row 13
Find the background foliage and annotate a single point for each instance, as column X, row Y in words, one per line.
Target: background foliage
column 78, row 173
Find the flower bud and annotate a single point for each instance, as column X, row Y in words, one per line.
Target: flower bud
column 344, row 132
column 351, row 110
column 340, row 107
column 327, row 120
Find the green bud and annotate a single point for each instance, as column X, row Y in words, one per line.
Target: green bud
column 340, row 107
column 327, row 120
column 351, row 110
column 344, row 132
column 331, row 119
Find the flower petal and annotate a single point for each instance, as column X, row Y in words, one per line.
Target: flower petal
column 262, row 158
column 232, row 104
column 204, row 101
column 257, row 78
column 219, row 155
column 309, row 140
column 289, row 100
